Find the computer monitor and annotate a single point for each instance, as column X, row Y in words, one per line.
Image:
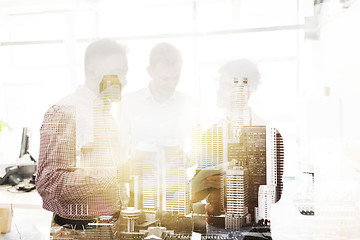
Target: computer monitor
column 25, row 142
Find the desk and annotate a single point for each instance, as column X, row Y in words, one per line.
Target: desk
column 28, row 219
column 27, row 200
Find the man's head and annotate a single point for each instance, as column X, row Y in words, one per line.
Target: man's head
column 240, row 69
column 164, row 68
column 104, row 57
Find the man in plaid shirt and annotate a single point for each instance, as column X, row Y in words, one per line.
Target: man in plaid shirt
column 79, row 150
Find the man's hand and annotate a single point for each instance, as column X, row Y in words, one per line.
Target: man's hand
column 200, row 195
column 215, row 181
column 214, row 206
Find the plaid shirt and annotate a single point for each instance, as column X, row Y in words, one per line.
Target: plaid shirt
column 78, row 178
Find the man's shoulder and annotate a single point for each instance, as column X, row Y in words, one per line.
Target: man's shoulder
column 61, row 110
column 67, row 100
column 66, row 104
column 70, row 102
column 134, row 96
column 75, row 98
column 56, row 115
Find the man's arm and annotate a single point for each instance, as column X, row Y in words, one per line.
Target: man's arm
column 54, row 177
column 200, row 195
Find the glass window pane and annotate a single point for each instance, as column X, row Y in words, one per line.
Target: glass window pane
column 237, row 14
column 145, row 20
column 35, row 27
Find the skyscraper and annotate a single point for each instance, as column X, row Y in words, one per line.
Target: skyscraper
column 237, row 214
column 162, row 183
column 279, row 164
column 267, row 195
column 208, row 145
column 239, row 110
column 271, row 154
column 176, row 190
column 145, row 167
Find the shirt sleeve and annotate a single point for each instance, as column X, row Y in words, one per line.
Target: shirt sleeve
column 56, row 177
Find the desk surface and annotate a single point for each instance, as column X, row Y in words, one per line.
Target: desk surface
column 28, row 200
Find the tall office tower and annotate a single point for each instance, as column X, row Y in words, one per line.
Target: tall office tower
column 237, row 214
column 100, row 144
column 267, row 195
column 99, row 152
column 280, row 164
column 271, row 154
column 253, row 143
column 144, row 169
column 239, row 117
column 235, row 154
column 196, row 134
column 239, row 110
column 275, row 159
column 234, row 150
column 176, row 196
column 207, row 145
column 161, row 182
